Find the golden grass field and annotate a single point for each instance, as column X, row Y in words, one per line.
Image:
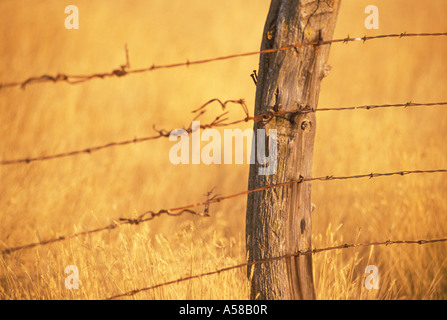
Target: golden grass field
column 48, row 199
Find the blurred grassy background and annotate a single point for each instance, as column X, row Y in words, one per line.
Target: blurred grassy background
column 59, row 197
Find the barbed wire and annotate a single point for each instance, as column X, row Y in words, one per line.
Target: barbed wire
column 219, row 121
column 381, row 106
column 160, row 134
column 120, row 222
column 124, row 70
column 150, row 215
column 267, row 260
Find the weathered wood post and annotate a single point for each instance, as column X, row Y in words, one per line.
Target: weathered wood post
column 278, row 220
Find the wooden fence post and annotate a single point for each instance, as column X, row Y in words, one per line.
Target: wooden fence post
column 278, row 220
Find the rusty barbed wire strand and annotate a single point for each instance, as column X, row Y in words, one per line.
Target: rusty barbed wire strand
column 219, row 121
column 302, row 180
column 113, row 225
column 150, row 215
column 161, row 134
column 124, row 70
column 381, row 106
column 267, row 260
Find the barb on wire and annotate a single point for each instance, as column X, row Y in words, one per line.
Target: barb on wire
column 240, row 102
column 215, row 199
column 219, row 121
column 125, row 70
column 150, row 215
column 273, row 259
column 209, row 199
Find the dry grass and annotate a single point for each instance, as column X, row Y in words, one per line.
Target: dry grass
column 58, row 197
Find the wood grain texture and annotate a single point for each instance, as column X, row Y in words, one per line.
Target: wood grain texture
column 278, row 220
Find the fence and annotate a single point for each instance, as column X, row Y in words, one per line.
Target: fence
column 220, row 121
column 124, row 70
